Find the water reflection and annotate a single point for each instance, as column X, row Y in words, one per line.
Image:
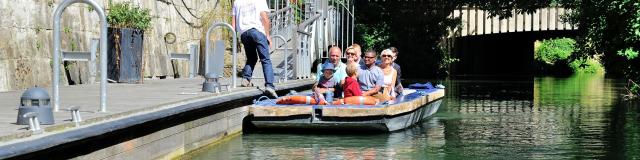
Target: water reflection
column 538, row 118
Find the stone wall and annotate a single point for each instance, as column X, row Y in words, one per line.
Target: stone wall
column 173, row 142
column 26, row 37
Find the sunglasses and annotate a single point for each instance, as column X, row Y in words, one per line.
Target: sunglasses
column 368, row 57
column 351, row 53
column 386, row 55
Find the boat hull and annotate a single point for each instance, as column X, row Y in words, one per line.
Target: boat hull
column 385, row 118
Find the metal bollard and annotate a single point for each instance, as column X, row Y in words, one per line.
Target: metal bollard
column 34, row 124
column 75, row 113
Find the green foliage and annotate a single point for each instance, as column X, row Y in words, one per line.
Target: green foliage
column 38, row 29
column 553, row 50
column 629, row 53
column 446, row 61
column 416, row 28
column 374, row 37
column 633, row 90
column 586, row 65
column 38, row 45
column 611, row 29
column 67, row 30
column 125, row 15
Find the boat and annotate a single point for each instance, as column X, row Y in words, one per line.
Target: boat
column 403, row 112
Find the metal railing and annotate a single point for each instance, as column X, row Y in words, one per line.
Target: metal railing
column 57, row 51
column 323, row 23
column 234, row 48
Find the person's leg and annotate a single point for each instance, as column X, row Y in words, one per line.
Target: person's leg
column 250, row 51
column 262, row 45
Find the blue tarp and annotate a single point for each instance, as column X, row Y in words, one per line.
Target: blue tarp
column 427, row 85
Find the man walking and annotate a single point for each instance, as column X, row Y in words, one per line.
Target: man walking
column 251, row 20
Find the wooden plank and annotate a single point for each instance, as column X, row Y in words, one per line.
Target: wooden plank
column 280, row 111
column 353, row 112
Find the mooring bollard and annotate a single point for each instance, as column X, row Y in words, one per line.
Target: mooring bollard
column 75, row 114
column 34, row 124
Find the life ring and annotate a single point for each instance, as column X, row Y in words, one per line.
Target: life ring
column 299, row 100
column 358, row 100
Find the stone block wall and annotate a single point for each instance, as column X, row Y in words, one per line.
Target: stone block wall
column 27, row 38
column 173, row 142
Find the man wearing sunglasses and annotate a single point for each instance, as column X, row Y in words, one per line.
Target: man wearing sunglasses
column 371, row 78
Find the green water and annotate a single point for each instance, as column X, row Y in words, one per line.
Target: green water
column 580, row 117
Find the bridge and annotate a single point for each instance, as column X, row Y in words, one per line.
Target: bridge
column 478, row 22
column 490, row 45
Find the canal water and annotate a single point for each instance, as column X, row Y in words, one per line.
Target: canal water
column 579, row 117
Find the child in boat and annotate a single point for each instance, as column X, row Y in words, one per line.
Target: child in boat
column 351, row 85
column 326, row 83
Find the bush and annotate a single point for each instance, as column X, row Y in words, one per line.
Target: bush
column 629, row 53
column 125, row 15
column 554, row 50
column 586, row 65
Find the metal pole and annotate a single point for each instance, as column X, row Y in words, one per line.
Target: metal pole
column 234, row 45
column 92, row 60
column 335, row 15
column 353, row 20
column 348, row 28
column 341, row 24
column 57, row 51
column 192, row 59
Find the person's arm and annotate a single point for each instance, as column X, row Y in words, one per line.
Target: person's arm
column 267, row 25
column 393, row 85
column 378, row 83
column 372, row 91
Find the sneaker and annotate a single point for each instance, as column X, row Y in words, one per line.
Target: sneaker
column 246, row 83
column 270, row 92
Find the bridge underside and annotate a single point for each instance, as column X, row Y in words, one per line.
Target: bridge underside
column 499, row 54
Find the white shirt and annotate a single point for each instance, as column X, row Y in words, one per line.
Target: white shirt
column 247, row 14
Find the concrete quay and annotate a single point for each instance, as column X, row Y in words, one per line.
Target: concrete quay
column 159, row 119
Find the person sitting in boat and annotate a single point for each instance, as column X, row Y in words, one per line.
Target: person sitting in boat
column 371, row 78
column 396, row 66
column 351, row 85
column 353, row 54
column 389, row 73
column 327, row 83
column 335, row 54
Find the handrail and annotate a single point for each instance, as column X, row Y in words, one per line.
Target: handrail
column 273, row 14
column 57, row 51
column 303, row 25
column 234, row 46
column 286, row 55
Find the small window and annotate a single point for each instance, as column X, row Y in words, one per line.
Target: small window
column 35, row 102
column 25, row 102
column 44, row 102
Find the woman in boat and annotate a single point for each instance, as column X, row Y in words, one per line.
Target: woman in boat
column 389, row 73
column 396, row 66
